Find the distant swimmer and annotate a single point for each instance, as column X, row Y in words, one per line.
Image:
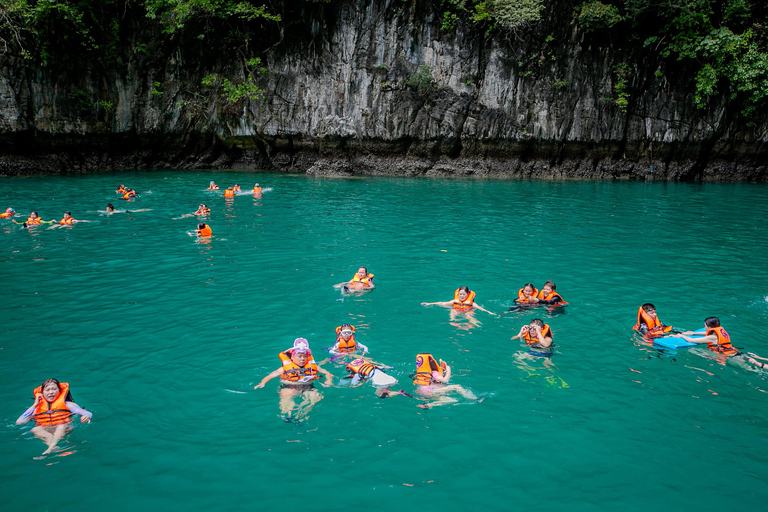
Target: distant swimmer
column 431, row 381
column 34, row 220
column 110, row 209
column 538, row 337
column 52, row 412
column 8, row 213
column 236, row 188
column 297, row 375
column 129, row 194
column 256, row 190
column 346, row 343
column 362, row 370
column 362, row 280
column 230, row 192
column 202, row 210
column 121, row 189
column 204, row 230
column 716, row 338
column 648, row 323
column 68, row 220
column 213, row 186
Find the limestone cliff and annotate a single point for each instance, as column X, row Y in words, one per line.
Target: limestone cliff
column 538, row 103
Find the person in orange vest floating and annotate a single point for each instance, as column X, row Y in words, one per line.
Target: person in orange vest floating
column 346, row 342
column 648, row 323
column 202, row 210
column 121, row 189
column 67, row 220
column 204, row 230
column 548, row 296
column 229, row 192
column 362, row 280
column 129, row 194
column 431, row 381
column 35, row 220
column 213, row 186
column 236, row 188
column 8, row 213
column 257, row 190
column 538, row 337
column 716, row 338
column 297, row 374
column 52, row 412
column 463, row 303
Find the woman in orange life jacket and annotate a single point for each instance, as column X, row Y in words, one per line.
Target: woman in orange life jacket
column 68, row 220
column 716, row 338
column 431, row 381
column 463, row 303
column 648, row 323
column 362, row 280
column 52, row 410
column 213, row 186
column 34, row 220
column 202, row 210
column 236, row 188
column 297, row 375
column 346, row 341
column 537, row 336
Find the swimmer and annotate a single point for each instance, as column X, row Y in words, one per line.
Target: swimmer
column 346, row 342
column 256, row 190
column 129, row 194
column 121, row 189
column 548, row 296
column 431, row 381
column 34, row 220
column 648, row 323
column 527, row 294
column 213, row 186
column 8, row 213
column 362, row 280
column 230, row 192
column 463, row 300
column 537, row 335
column 52, row 410
column 753, row 359
column 68, row 220
column 361, row 370
column 297, row 374
column 110, row 209
column 202, row 210
column 203, row 230
column 715, row 337
column 236, row 188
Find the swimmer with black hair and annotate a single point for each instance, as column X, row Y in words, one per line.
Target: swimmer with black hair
column 52, row 412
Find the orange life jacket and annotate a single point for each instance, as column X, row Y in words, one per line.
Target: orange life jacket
column 361, row 367
column 365, row 281
column 204, row 210
column 425, row 365
column 521, row 296
column 531, row 339
column 6, row 215
column 465, row 305
column 295, row 373
column 121, row 191
column 206, row 231
column 723, row 344
column 129, row 195
column 236, row 188
column 229, row 193
column 66, row 221
column 345, row 346
column 33, row 222
column 52, row 413
column 257, row 190
column 655, row 327
column 213, row 186
column 551, row 296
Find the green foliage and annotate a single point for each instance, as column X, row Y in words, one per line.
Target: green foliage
column 174, row 14
column 562, row 84
column 597, row 15
column 621, row 87
column 422, row 81
column 106, row 105
column 82, row 102
column 239, row 90
column 156, row 89
column 505, row 14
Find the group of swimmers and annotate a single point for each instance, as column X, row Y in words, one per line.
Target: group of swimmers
column 714, row 335
column 35, row 220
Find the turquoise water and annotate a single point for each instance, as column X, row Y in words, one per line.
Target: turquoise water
column 163, row 337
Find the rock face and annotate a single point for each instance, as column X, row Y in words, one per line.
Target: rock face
column 344, row 98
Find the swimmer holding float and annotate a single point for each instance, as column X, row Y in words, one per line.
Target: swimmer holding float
column 52, row 412
column 297, row 375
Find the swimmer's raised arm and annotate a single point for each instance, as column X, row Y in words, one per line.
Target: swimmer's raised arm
column 444, row 304
column 268, row 378
column 444, row 378
column 27, row 414
column 85, row 416
column 521, row 334
column 365, row 349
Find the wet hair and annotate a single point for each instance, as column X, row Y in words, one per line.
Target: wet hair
column 712, row 321
column 464, row 289
column 32, row 213
column 526, row 285
column 201, row 225
column 648, row 307
column 364, row 268
column 551, row 284
column 537, row 321
column 48, row 381
column 110, row 206
column 349, row 326
column 68, row 213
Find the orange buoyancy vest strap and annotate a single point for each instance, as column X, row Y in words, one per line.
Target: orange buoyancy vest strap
column 365, row 280
column 530, row 339
column 361, row 367
column 66, row 221
column 723, row 344
column 551, row 296
column 521, row 296
column 52, row 413
column 425, row 365
column 466, row 304
column 643, row 317
column 5, row 215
